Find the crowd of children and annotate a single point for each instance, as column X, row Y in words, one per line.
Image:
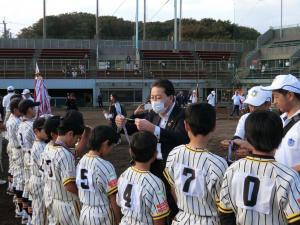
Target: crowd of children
column 50, row 185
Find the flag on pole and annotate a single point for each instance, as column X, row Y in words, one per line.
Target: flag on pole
column 37, row 70
column 41, row 95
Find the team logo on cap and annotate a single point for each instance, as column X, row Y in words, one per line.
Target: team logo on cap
column 291, row 142
column 253, row 93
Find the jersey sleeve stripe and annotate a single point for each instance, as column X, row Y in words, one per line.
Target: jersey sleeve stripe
column 112, row 191
column 68, row 180
column 294, row 220
column 160, row 216
column 294, row 217
column 167, row 176
column 223, row 209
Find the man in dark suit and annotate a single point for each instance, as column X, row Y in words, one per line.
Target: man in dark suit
column 166, row 122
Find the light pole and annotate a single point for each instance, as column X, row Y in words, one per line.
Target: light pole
column 137, row 31
column 145, row 18
column 97, row 33
column 280, row 18
column 180, row 21
column 44, row 19
column 175, row 25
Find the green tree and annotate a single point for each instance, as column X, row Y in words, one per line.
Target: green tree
column 82, row 26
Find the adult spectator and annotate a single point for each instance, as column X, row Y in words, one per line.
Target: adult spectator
column 115, row 108
column 100, row 100
column 166, row 122
column 180, row 99
column 194, row 97
column 1, row 108
column 211, row 98
column 6, row 101
column 27, row 95
column 236, row 104
column 71, row 102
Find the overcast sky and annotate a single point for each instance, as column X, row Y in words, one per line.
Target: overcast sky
column 259, row 14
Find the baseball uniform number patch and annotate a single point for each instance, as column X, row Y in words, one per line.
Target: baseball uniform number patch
column 190, row 181
column 84, row 179
column 130, row 196
column 253, row 192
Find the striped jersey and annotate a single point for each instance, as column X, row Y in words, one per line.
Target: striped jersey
column 96, row 180
column 35, row 158
column 12, row 126
column 142, row 197
column 196, row 175
column 260, row 190
column 26, row 135
column 59, row 170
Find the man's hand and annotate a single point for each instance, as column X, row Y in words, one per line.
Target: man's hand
column 224, row 144
column 120, row 121
column 144, row 125
column 243, row 144
column 139, row 109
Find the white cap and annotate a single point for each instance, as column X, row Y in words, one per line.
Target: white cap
column 10, row 88
column 285, row 82
column 213, row 92
column 25, row 92
column 258, row 96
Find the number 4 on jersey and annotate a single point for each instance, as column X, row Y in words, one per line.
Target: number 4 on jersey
column 127, row 195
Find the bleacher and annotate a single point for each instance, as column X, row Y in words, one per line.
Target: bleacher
column 11, row 53
column 287, row 43
column 64, row 53
column 277, row 52
column 216, row 56
column 166, row 55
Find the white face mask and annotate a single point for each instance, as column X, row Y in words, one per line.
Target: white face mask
column 158, row 106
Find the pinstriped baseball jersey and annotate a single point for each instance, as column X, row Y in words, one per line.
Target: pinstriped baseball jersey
column 36, row 154
column 261, row 191
column 142, row 197
column 59, row 170
column 26, row 135
column 196, row 175
column 12, row 126
column 96, row 179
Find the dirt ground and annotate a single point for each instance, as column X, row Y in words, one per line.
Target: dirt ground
column 119, row 156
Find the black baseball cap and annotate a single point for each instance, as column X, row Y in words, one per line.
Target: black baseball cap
column 24, row 105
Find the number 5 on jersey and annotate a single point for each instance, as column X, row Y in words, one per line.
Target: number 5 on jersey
column 189, row 180
column 84, row 179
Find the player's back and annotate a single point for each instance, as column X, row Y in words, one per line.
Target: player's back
column 59, row 169
column 96, row 180
column 261, row 191
column 36, row 157
column 12, row 126
column 26, row 135
column 142, row 197
column 196, row 175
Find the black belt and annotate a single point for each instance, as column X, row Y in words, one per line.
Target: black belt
column 19, row 147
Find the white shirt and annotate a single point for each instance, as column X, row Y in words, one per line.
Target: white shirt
column 240, row 128
column 6, row 101
column 288, row 152
column 211, row 99
column 236, row 99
